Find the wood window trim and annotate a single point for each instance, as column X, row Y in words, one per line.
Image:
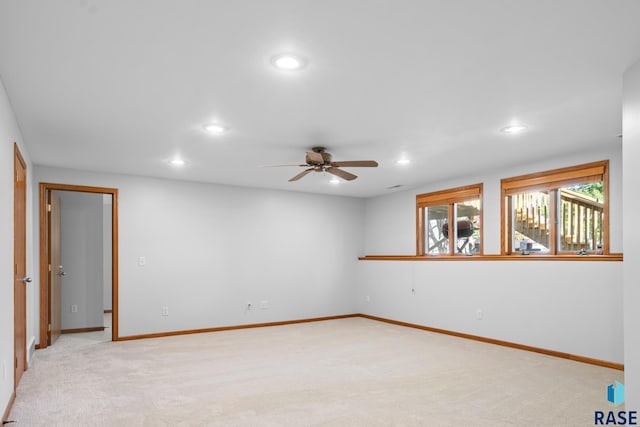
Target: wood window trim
column 554, row 178
column 446, row 197
column 452, row 195
column 548, row 181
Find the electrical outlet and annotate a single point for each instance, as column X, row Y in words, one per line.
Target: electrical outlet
column 479, row 314
column 264, row 304
column 367, row 298
column 249, row 306
column 74, row 308
column 142, row 261
column 165, row 311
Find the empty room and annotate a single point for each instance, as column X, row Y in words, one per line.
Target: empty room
column 319, row 213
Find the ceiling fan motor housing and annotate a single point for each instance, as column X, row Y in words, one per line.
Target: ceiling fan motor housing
column 318, row 157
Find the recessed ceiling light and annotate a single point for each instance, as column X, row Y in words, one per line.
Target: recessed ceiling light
column 513, row 129
column 176, row 162
column 334, row 181
column 215, row 128
column 288, row 62
column 403, row 161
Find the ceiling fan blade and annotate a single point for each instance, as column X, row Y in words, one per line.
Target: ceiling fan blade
column 342, row 174
column 281, row 166
column 301, row 174
column 313, row 157
column 357, row 164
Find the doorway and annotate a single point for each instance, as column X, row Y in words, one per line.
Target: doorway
column 52, row 267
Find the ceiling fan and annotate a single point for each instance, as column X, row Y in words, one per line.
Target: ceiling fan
column 318, row 160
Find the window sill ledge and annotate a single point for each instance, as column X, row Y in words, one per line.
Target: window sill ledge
column 610, row 258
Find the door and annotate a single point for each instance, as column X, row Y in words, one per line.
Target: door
column 56, row 270
column 21, row 280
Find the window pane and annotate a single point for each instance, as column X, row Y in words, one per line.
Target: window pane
column 435, row 217
column 531, row 222
column 581, row 214
column 468, row 227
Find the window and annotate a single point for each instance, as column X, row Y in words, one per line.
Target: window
column 437, row 211
column 558, row 211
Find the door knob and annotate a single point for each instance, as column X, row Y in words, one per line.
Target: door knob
column 26, row 279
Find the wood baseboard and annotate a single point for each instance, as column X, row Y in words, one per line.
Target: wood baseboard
column 576, row 358
column 80, row 330
column 7, row 410
column 231, row 328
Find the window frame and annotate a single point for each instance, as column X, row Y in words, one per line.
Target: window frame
column 552, row 181
column 447, row 197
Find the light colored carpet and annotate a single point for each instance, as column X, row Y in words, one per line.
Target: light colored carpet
column 348, row 372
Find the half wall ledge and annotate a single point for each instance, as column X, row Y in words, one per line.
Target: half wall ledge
column 617, row 257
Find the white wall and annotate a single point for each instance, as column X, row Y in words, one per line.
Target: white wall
column 573, row 307
column 631, row 151
column 569, row 307
column 10, row 133
column 210, row 249
column 82, row 259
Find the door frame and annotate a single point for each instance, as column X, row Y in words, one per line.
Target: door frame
column 45, row 187
column 22, row 323
column 54, row 304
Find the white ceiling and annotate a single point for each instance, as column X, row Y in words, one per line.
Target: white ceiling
column 123, row 86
